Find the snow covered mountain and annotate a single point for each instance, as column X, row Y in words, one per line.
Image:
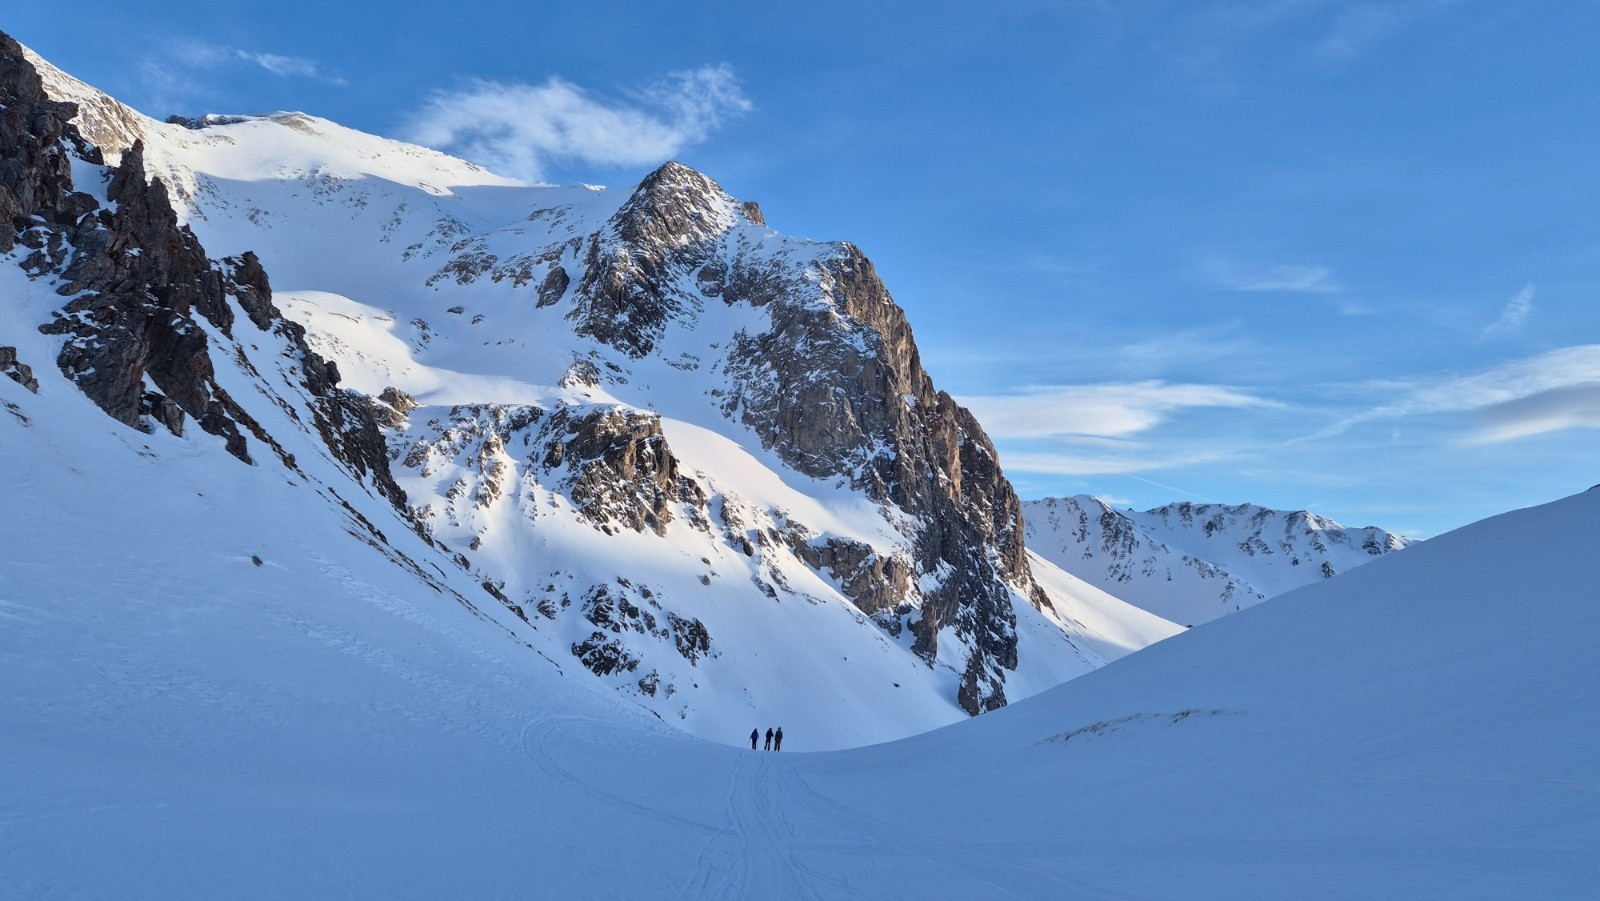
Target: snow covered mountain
column 684, row 453
column 231, row 679
column 1191, row 563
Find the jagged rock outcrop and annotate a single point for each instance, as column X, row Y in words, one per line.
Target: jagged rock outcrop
column 612, row 464
column 874, row 581
column 35, row 171
column 138, row 280
column 553, row 287
column 136, row 277
column 621, row 609
column 618, row 468
column 16, row 370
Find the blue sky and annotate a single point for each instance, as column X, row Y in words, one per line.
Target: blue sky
column 1306, row 253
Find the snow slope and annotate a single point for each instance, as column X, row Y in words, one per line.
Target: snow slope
column 187, row 723
column 1192, row 563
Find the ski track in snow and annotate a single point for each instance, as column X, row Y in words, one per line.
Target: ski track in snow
column 773, row 814
column 537, row 738
column 963, row 860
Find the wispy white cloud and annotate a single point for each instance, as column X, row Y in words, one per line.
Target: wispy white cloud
column 180, row 71
column 1187, row 347
column 1550, row 392
column 1567, row 407
column 1105, row 411
column 1222, row 44
column 291, row 66
column 1068, row 464
column 1515, row 313
column 1357, row 29
column 520, row 129
column 1115, row 500
column 1279, row 278
column 179, row 56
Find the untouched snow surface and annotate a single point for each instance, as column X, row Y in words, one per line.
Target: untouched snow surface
column 184, row 722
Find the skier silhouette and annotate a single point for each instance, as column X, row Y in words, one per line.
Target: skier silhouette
column 777, row 744
column 754, row 734
column 769, row 741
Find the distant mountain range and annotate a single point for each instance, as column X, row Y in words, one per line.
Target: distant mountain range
column 1191, row 563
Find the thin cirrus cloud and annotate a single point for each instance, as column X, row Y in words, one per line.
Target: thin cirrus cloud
column 1551, row 392
column 183, row 71
column 1556, row 409
column 1362, row 26
column 1511, row 318
column 1291, row 279
column 1087, row 430
column 1106, row 411
column 1223, row 43
column 522, row 130
column 1062, row 463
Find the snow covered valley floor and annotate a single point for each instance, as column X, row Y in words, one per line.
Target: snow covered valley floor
column 1423, row 726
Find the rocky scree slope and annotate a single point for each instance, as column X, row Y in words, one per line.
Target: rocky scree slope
column 1191, row 563
column 645, row 422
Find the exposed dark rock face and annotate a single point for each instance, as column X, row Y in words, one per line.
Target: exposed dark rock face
column 553, row 287
column 138, row 279
column 690, row 636
column 604, row 656
column 16, row 370
column 613, row 463
column 249, row 285
column 874, row 582
column 844, row 394
column 620, row 469
column 349, row 424
column 35, row 171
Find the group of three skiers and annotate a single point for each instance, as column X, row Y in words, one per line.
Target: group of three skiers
column 774, row 739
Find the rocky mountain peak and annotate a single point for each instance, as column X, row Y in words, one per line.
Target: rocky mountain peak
column 666, row 229
column 674, row 206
